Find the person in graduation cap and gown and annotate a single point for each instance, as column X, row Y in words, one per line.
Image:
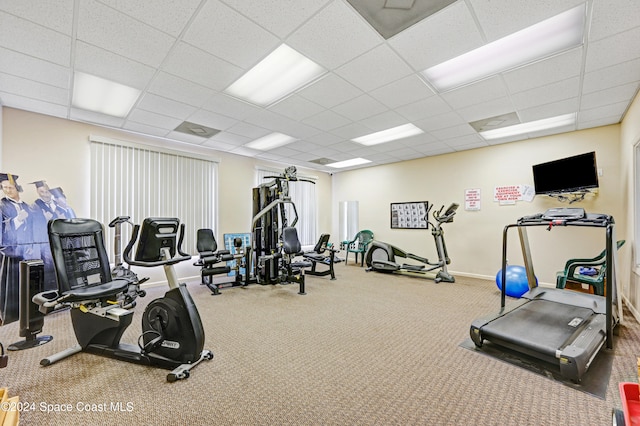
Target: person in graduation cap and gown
column 61, row 199
column 17, row 245
column 45, row 208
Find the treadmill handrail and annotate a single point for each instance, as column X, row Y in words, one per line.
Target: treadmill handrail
column 605, row 221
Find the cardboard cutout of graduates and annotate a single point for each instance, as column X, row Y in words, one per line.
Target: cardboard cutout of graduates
column 24, row 236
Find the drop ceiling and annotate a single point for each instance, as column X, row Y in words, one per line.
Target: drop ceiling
column 182, row 54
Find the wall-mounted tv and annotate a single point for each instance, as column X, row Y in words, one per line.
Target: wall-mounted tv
column 569, row 174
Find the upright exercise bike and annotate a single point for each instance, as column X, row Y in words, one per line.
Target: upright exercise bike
column 381, row 257
column 172, row 333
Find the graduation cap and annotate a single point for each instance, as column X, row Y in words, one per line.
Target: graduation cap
column 39, row 183
column 12, row 180
column 57, row 192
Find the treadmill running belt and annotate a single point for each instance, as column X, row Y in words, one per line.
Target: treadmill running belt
column 539, row 325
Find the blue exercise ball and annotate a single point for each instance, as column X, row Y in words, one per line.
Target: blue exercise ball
column 517, row 283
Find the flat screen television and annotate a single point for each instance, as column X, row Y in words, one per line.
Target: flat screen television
column 570, row 174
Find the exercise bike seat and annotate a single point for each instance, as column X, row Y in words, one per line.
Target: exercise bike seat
column 99, row 291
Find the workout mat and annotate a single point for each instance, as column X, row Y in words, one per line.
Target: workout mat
column 594, row 381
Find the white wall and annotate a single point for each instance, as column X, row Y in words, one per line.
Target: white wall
column 630, row 137
column 474, row 239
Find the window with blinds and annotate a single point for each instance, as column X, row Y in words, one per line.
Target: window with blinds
column 303, row 195
column 129, row 180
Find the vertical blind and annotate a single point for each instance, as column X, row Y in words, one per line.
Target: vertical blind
column 139, row 182
column 303, row 195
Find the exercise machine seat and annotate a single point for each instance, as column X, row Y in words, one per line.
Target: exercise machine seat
column 81, row 262
column 358, row 245
column 572, row 268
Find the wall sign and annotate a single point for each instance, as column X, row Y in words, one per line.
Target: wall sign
column 472, row 199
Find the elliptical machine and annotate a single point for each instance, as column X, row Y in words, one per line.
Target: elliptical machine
column 172, row 333
column 381, row 257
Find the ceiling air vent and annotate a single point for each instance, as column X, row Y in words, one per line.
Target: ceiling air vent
column 322, row 161
column 497, row 122
column 389, row 17
column 196, row 129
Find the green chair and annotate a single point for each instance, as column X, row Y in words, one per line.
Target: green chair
column 572, row 272
column 358, row 245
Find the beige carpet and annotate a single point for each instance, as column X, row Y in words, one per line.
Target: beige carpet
column 364, row 349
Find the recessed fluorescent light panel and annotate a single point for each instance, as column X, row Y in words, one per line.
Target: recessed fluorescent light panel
column 349, row 163
column 104, row 96
column 546, row 38
column 271, row 141
column 279, row 74
column 389, row 135
column 531, row 126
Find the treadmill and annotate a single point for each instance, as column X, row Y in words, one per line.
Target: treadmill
column 560, row 327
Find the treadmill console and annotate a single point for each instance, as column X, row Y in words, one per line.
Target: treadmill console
column 564, row 213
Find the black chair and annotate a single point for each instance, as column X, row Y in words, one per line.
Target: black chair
column 318, row 256
column 210, row 256
column 291, row 248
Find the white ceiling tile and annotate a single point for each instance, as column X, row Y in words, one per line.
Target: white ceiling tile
column 465, row 140
column 378, row 67
column 164, row 106
column 553, row 109
column 351, row 131
column 296, row 107
column 172, row 87
column 212, row 119
column 346, row 146
column 419, row 140
column 557, row 68
column 145, row 129
column 476, row 93
column 20, row 102
column 324, row 139
column 359, row 108
column 499, row 18
column 326, row 120
column 103, row 63
column 231, row 138
column 183, row 137
column 442, row 36
column 487, row 109
column 225, row 33
column 473, row 145
column 169, row 16
column 427, row 107
column 610, row 110
column 285, row 151
column 109, row 29
column 31, row 39
column 326, row 152
column 624, row 93
column 384, row 121
column 247, row 152
column 604, row 78
column 152, row 119
column 195, row 65
column 56, row 15
column 230, row 106
column 453, row 132
column 291, row 13
column 33, row 89
column 553, row 92
column 603, row 121
column 613, row 50
column 440, row 121
column 20, row 65
column 612, row 18
column 220, row 146
column 323, row 37
column 330, row 91
column 94, row 117
column 248, row 130
column 402, row 92
column 279, row 123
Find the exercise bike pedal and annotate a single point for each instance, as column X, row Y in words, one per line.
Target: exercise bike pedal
column 183, row 371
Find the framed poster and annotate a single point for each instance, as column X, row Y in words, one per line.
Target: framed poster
column 411, row 215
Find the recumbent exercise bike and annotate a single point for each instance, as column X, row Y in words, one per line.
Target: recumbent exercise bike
column 172, row 333
column 381, row 257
